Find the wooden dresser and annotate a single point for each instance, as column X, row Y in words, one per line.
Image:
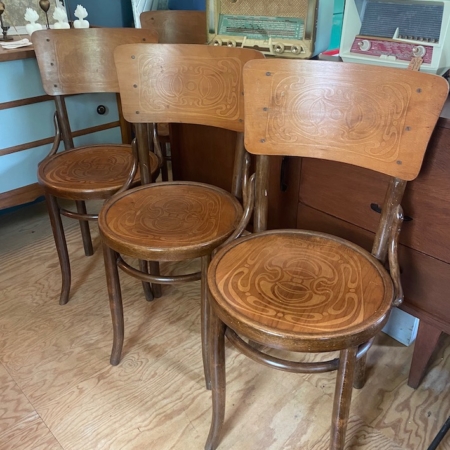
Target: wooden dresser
column 343, row 200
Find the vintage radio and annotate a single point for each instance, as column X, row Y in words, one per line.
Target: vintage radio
column 392, row 32
column 285, row 28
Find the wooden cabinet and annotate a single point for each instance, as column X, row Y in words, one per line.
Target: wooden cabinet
column 342, row 199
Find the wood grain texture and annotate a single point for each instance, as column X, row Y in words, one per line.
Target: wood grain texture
column 183, row 83
column 20, row 196
column 369, row 116
column 80, row 61
column 169, row 221
column 96, row 171
column 57, row 357
column 300, row 291
column 176, row 26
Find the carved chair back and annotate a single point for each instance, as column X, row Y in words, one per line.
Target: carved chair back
column 184, row 83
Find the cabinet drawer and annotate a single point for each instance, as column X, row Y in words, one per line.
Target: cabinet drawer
column 425, row 279
column 346, row 192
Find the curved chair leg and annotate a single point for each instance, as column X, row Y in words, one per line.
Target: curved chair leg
column 360, row 373
column 205, row 320
column 217, row 358
column 61, row 246
column 115, row 303
column 143, row 266
column 342, row 398
column 85, row 232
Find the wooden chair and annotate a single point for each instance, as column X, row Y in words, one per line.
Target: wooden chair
column 174, row 221
column 173, row 27
column 176, row 27
column 305, row 291
column 80, row 62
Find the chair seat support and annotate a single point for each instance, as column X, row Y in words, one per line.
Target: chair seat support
column 78, row 216
column 159, row 279
column 285, row 365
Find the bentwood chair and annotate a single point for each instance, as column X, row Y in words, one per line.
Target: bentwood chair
column 173, row 27
column 175, row 221
column 79, row 62
column 305, row 291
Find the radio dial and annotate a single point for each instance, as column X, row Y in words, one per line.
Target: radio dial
column 419, row 51
column 217, row 42
column 231, row 43
column 296, row 49
column 364, row 45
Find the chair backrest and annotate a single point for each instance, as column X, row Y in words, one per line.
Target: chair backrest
column 81, row 61
column 370, row 116
column 195, row 84
column 176, row 27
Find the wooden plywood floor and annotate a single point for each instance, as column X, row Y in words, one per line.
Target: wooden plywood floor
column 58, row 391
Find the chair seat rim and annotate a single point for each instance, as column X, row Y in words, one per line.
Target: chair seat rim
column 162, row 253
column 301, row 341
column 81, row 192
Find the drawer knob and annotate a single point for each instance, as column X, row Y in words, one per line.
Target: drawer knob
column 376, row 207
column 101, row 109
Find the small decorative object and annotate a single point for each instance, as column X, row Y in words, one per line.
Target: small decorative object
column 45, row 6
column 5, row 27
column 81, row 13
column 60, row 16
column 31, row 16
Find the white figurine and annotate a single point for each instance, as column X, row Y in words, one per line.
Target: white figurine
column 31, row 16
column 81, row 13
column 60, row 15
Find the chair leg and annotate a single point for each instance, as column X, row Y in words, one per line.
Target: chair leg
column 115, row 303
column 154, row 270
column 342, row 397
column 85, row 232
column 205, row 320
column 143, row 266
column 164, row 169
column 218, row 387
column 61, row 247
column 360, row 372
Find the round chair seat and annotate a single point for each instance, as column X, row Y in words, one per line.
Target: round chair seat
column 92, row 172
column 300, row 290
column 169, row 221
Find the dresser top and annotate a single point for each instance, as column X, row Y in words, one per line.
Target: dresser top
column 17, row 53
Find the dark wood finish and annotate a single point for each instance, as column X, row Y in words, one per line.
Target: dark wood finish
column 46, row 141
column 426, row 342
column 193, row 160
column 305, row 291
column 25, row 101
column 176, row 27
column 76, row 62
column 166, row 83
column 20, row 196
column 17, row 53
